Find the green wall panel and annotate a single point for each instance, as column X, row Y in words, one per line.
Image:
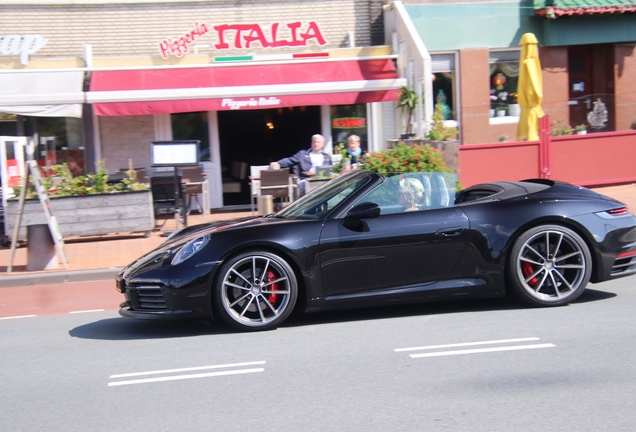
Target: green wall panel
column 452, row 26
column 470, row 25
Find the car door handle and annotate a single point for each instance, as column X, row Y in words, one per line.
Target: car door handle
column 449, row 232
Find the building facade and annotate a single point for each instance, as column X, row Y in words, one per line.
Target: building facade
column 251, row 80
column 586, row 50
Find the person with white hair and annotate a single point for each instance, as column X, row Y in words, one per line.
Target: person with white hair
column 354, row 151
column 411, row 194
column 306, row 160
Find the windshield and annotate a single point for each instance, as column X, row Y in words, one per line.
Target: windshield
column 321, row 201
column 401, row 192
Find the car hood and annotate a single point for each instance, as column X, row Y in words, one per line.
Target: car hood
column 165, row 251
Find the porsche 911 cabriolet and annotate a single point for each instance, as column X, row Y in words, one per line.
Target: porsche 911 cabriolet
column 369, row 239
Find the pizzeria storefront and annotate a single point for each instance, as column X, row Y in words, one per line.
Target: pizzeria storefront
column 252, row 87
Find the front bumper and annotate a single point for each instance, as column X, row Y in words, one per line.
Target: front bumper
column 128, row 312
column 161, row 301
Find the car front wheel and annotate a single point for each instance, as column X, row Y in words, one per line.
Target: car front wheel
column 255, row 291
column 549, row 265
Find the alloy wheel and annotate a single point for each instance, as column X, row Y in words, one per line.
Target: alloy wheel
column 258, row 291
column 552, row 265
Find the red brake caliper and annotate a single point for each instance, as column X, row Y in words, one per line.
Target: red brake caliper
column 273, row 287
column 527, row 269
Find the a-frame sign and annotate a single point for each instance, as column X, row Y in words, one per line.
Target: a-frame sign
column 31, row 167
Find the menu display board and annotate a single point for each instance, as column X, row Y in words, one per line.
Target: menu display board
column 174, row 153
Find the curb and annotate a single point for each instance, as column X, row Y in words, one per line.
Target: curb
column 59, row 277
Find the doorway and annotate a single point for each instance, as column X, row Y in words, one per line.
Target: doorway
column 591, row 86
column 258, row 137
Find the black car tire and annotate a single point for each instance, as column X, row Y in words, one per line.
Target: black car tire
column 549, row 265
column 261, row 303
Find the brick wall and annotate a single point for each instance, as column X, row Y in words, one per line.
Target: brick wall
column 124, row 138
column 625, row 83
column 475, row 95
column 123, row 30
column 554, row 63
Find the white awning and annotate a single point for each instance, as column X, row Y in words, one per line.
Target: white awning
column 42, row 94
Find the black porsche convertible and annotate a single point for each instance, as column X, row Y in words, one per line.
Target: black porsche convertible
column 356, row 241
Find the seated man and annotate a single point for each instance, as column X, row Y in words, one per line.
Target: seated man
column 306, row 160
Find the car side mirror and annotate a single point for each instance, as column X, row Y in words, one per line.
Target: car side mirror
column 365, row 210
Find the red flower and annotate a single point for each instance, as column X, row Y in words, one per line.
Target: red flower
column 405, row 163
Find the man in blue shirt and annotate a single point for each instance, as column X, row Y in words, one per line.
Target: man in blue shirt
column 306, row 160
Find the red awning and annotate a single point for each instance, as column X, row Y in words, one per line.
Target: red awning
column 220, row 87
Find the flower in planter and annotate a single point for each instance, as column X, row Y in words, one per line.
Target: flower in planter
column 406, row 158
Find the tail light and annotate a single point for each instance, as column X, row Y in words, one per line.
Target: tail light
column 619, row 211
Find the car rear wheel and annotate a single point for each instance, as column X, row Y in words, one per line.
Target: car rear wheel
column 549, row 265
column 255, row 291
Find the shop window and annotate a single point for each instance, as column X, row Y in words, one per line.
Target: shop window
column 504, row 74
column 443, row 67
column 60, row 141
column 347, row 120
column 443, row 92
column 192, row 126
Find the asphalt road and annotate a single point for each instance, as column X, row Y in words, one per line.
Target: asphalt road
column 468, row 366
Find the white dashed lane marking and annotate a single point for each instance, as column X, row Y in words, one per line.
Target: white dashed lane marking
column 476, row 350
column 186, row 376
column 87, row 311
column 16, row 317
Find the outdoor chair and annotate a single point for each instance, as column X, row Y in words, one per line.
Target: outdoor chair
column 255, row 184
column 278, row 184
column 196, row 185
column 168, row 197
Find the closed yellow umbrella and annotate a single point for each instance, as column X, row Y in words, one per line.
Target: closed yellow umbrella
column 529, row 89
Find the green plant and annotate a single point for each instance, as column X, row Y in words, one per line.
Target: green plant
column 581, row 128
column 501, row 108
column 341, row 150
column 63, row 183
column 408, row 101
column 405, row 158
column 439, row 131
column 503, row 138
column 558, row 128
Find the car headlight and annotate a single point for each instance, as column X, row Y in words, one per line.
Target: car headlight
column 190, row 248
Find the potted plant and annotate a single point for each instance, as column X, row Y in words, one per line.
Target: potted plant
column 501, row 111
column 439, row 131
column 581, row 129
column 558, row 128
column 408, row 102
column 405, row 158
column 514, row 109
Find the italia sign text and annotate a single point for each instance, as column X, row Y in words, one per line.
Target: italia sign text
column 246, row 36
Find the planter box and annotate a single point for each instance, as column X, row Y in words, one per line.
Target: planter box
column 88, row 215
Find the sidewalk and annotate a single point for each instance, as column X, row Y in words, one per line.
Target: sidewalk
column 99, row 258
